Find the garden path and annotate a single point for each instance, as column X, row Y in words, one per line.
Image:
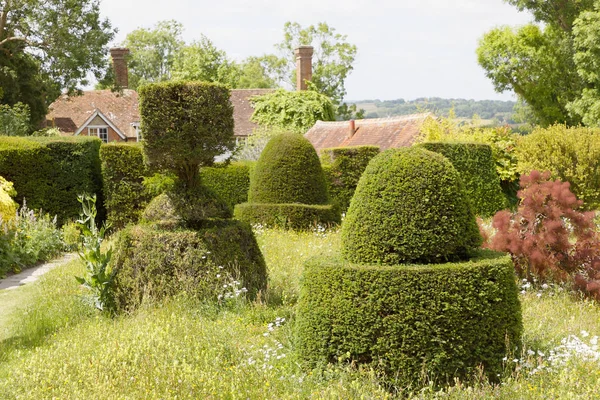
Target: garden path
column 32, row 274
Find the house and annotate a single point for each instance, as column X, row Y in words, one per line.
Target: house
column 386, row 133
column 114, row 116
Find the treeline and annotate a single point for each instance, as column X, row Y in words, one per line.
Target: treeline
column 501, row 111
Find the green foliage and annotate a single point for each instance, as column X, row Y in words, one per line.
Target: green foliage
column 99, row 279
column 259, row 72
column 51, row 172
column 475, row 165
column 67, row 38
column 229, row 182
column 153, row 264
column 570, row 154
column 14, row 121
column 153, row 52
column 123, row 173
column 288, row 171
column 293, row 111
column 410, row 206
column 185, row 125
column 288, row 216
column 251, row 148
column 8, row 207
column 202, row 61
column 343, row 168
column 417, row 324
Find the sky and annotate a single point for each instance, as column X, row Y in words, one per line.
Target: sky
column 406, row 49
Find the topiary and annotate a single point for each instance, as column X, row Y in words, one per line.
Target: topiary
column 475, row 164
column 409, row 206
column 288, row 171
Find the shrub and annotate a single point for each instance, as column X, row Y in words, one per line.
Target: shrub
column 8, row 207
column 294, row 111
column 288, row 171
column 153, row 264
column 343, row 168
column 123, row 173
column 289, row 216
column 409, row 206
column 416, row 324
column 475, row 164
column 539, row 235
column 570, row 154
column 51, row 172
column 229, row 182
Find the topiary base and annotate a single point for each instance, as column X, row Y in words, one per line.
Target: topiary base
column 414, row 324
column 155, row 263
column 292, row 216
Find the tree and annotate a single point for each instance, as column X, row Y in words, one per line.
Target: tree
column 202, row 61
column 550, row 65
column 68, row 38
column 333, row 61
column 153, row 52
column 260, row 72
column 14, row 121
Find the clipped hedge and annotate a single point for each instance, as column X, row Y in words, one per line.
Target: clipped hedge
column 152, row 264
column 123, row 172
column 414, row 324
column 570, row 154
column 475, row 164
column 50, row 172
column 410, row 206
column 230, row 182
column 292, row 216
column 343, row 167
column 288, row 171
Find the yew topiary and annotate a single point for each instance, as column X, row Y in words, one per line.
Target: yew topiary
column 409, row 206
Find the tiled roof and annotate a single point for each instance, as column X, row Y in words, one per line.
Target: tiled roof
column 242, row 109
column 67, row 113
column 386, row 133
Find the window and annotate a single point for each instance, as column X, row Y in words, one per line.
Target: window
column 101, row 132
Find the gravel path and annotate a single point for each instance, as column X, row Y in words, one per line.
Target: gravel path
column 32, row 274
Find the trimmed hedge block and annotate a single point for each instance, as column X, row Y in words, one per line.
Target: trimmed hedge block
column 49, row 173
column 230, row 182
column 288, row 171
column 123, row 172
column 412, row 323
column 153, row 263
column 343, row 167
column 409, row 206
column 293, row 216
column 475, row 164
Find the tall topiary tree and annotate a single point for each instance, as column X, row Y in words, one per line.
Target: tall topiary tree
column 288, row 187
column 185, row 125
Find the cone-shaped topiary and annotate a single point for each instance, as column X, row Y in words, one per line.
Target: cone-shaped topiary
column 288, row 171
column 409, row 206
column 288, row 187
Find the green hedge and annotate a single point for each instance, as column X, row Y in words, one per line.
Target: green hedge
column 411, row 322
column 288, row 171
column 292, row 216
column 410, row 206
column 570, row 154
column 343, row 167
column 230, row 182
column 475, row 164
column 152, row 264
column 50, row 172
column 123, row 172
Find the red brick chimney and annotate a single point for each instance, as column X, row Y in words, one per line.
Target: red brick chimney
column 303, row 66
column 119, row 58
column 351, row 128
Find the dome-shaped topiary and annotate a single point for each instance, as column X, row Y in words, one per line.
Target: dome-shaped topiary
column 288, row 171
column 409, row 206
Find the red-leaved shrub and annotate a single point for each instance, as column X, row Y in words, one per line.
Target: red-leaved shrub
column 548, row 237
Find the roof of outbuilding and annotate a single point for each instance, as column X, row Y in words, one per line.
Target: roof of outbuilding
column 68, row 113
column 386, row 133
column 243, row 110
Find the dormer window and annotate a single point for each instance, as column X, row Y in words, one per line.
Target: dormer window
column 99, row 131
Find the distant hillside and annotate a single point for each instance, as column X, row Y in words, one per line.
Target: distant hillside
column 501, row 111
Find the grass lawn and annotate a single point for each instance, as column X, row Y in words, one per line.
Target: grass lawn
column 52, row 345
